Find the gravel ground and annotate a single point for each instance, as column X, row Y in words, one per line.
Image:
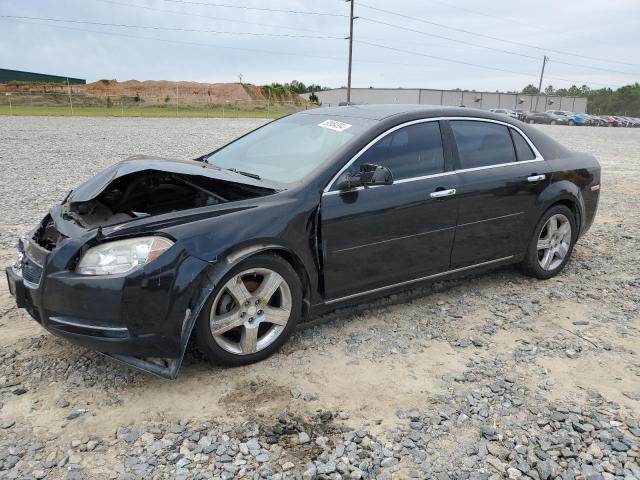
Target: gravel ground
column 491, row 376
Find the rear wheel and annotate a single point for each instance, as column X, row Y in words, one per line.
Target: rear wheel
column 571, row 123
column 553, row 122
column 550, row 247
column 252, row 312
column 532, row 121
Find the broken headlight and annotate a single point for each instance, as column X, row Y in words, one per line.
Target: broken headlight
column 121, row 256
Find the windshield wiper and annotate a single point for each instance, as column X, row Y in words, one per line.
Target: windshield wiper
column 246, row 174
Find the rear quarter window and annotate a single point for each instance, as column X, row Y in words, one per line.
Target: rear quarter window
column 523, row 150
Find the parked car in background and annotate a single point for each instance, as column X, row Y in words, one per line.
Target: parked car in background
column 630, row 121
column 613, row 121
column 318, row 210
column 579, row 119
column 546, row 117
column 600, row 121
column 520, row 113
column 504, row 111
column 623, row 122
column 573, row 118
column 595, row 121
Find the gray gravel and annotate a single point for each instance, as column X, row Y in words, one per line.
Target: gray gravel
column 67, row 151
column 491, row 376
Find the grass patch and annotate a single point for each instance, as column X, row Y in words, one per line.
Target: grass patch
column 64, row 111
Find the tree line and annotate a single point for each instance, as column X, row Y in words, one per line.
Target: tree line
column 604, row 101
column 295, row 86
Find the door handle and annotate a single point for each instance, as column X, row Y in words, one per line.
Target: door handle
column 536, row 178
column 443, row 193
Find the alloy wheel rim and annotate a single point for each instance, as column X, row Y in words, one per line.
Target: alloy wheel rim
column 251, row 311
column 554, row 242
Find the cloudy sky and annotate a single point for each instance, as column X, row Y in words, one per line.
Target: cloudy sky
column 470, row 44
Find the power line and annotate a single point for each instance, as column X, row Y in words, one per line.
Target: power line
column 288, row 54
column 417, row 19
column 261, row 9
column 576, row 82
column 180, row 42
column 475, row 64
column 198, row 15
column 421, row 32
column 209, row 45
column 460, row 62
column 495, row 17
column 173, row 29
column 472, row 44
column 592, row 67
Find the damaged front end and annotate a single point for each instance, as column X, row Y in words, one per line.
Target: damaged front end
column 138, row 302
column 142, row 187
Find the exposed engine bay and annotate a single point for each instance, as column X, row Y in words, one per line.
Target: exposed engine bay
column 152, row 192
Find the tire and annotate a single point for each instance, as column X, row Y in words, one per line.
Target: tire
column 571, row 123
column 241, row 344
column 531, row 122
column 553, row 122
column 532, row 264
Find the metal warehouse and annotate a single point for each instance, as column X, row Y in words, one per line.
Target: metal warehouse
column 7, row 76
column 456, row 98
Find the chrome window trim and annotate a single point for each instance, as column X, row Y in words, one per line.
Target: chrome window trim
column 538, row 156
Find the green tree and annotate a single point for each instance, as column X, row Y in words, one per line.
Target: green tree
column 530, row 90
column 605, row 101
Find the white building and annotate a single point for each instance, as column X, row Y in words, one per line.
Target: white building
column 453, row 98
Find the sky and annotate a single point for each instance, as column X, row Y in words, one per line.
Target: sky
column 469, row 44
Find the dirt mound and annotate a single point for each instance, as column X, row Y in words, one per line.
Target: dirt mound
column 160, row 90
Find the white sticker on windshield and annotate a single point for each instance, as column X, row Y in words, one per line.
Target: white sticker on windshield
column 334, row 125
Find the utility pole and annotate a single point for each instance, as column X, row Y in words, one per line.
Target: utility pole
column 70, row 102
column 269, row 104
column 350, row 51
column 544, row 62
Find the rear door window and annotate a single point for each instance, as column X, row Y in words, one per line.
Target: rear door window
column 482, row 144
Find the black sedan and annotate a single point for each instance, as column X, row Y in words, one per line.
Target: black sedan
column 315, row 211
column 546, row 117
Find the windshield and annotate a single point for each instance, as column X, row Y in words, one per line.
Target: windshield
column 288, row 149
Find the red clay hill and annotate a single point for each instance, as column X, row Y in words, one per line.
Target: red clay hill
column 160, row 90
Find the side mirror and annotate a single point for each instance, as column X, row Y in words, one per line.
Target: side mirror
column 368, row 176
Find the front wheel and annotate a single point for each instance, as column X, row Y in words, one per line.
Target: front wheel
column 571, row 123
column 252, row 312
column 553, row 122
column 532, row 121
column 550, row 247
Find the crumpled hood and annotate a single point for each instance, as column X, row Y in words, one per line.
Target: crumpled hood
column 96, row 185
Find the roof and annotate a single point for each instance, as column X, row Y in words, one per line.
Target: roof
column 382, row 111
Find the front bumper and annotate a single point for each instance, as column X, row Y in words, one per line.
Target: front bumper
column 145, row 313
